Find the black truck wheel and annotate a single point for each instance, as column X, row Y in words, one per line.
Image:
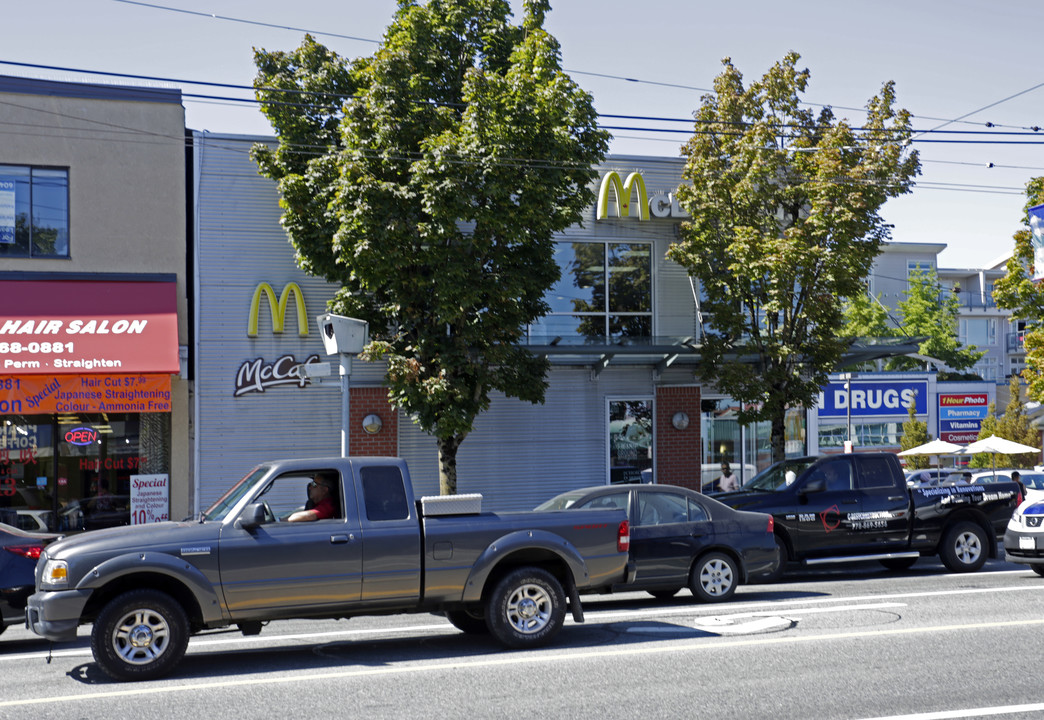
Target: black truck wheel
column 140, row 635
column 467, row 622
column 1039, row 569
column 714, row 577
column 526, row 608
column 964, row 547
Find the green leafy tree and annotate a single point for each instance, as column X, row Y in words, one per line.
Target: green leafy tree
column 429, row 180
column 915, row 432
column 785, row 226
column 866, row 317
column 1015, row 425
column 929, row 311
column 1019, row 292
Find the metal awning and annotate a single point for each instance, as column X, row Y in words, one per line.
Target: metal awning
column 660, row 353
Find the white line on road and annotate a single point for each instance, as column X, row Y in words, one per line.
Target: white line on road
column 970, row 713
column 513, row 660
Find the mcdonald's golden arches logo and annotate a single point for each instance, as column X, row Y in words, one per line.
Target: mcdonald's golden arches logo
column 278, row 308
column 623, row 190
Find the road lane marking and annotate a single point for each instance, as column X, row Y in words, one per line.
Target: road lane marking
column 970, row 713
column 513, row 659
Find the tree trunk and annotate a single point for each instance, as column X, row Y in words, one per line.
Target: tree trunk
column 448, row 465
column 778, row 436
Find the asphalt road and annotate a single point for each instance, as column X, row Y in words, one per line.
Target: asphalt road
column 851, row 642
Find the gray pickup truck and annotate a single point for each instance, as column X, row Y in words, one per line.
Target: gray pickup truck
column 147, row 588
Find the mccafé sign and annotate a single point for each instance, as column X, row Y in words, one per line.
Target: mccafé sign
column 660, row 204
column 258, row 374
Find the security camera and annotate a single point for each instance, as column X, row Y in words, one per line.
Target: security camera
column 342, row 335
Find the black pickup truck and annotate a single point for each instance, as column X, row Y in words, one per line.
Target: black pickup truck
column 857, row 506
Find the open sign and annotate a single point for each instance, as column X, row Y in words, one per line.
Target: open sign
column 81, row 436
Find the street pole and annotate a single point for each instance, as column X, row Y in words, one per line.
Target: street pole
column 346, row 372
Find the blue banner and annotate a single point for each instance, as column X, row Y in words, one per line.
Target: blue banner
column 963, row 413
column 874, row 398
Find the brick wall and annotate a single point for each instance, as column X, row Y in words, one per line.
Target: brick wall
column 366, row 401
column 678, row 451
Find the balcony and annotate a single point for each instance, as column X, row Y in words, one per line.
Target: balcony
column 1015, row 342
column 972, row 299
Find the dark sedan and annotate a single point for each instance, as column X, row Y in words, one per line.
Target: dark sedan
column 19, row 551
column 680, row 538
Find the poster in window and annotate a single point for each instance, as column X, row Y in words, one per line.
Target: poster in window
column 150, row 498
column 7, row 212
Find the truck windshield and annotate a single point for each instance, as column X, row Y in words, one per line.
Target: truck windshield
column 220, row 509
column 778, row 476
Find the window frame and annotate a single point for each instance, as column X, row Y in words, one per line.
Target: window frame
column 32, row 252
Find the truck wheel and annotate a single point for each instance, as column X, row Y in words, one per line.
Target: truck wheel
column 714, row 577
column 1039, row 569
column 140, row 635
column 467, row 622
column 526, row 608
column 964, row 548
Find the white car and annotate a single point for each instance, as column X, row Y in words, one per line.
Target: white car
column 1032, row 481
column 931, row 477
column 1024, row 538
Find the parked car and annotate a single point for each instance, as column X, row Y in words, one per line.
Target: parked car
column 1032, row 481
column 19, row 551
column 681, row 538
column 931, row 477
column 1024, row 538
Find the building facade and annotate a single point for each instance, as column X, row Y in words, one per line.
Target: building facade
column 94, row 402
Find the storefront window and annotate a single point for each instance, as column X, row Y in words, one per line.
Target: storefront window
column 68, row 473
column 630, row 440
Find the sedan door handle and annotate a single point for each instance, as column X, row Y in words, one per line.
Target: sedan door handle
column 338, row 539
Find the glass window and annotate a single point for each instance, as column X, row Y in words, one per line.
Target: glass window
column 384, row 493
column 661, row 508
column 605, row 291
column 34, row 212
column 978, row 331
column 697, row 513
column 630, row 440
column 73, row 472
column 615, row 501
column 875, row 472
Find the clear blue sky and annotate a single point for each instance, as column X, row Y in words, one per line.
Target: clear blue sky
column 977, row 61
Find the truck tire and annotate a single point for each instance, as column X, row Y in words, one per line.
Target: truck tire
column 1039, row 569
column 468, row 623
column 140, row 635
column 526, row 608
column 713, row 578
column 964, row 547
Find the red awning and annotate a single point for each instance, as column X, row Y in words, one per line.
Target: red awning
column 74, row 327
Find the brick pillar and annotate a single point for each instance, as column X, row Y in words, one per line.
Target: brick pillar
column 372, row 401
column 678, row 456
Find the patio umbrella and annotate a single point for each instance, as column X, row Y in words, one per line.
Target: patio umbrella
column 997, row 446
column 935, row 447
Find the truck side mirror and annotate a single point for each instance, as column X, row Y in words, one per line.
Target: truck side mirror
column 253, row 515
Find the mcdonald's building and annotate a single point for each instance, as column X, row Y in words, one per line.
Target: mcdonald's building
column 622, row 405
column 94, row 331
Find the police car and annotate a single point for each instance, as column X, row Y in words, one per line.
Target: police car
column 1024, row 538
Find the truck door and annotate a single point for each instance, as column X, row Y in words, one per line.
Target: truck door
column 391, row 560
column 827, row 498
column 885, row 519
column 292, row 565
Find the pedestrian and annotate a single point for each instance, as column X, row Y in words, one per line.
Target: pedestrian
column 728, row 482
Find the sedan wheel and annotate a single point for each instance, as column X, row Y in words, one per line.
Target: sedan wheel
column 714, row 578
